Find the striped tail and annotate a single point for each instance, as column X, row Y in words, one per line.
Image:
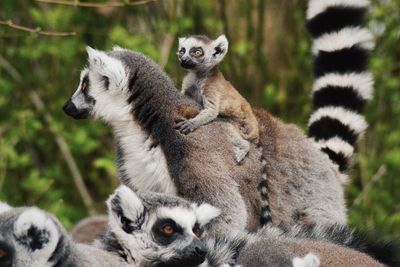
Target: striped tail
column 341, row 49
column 265, row 217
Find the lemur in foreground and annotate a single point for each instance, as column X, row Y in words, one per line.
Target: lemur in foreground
column 154, row 229
column 207, row 86
column 305, row 175
column 30, row 237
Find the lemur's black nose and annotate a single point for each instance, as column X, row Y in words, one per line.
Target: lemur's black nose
column 198, row 251
column 70, row 109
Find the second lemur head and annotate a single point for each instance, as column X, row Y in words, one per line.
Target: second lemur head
column 200, row 53
column 152, row 229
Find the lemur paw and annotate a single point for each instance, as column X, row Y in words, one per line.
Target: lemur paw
column 241, row 150
column 185, row 127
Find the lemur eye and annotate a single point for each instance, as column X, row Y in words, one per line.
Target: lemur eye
column 168, row 230
column 197, row 230
column 182, row 51
column 2, row 253
column 198, row 53
column 84, row 85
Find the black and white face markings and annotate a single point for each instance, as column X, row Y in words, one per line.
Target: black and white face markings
column 28, row 237
column 102, row 87
column 156, row 229
column 199, row 53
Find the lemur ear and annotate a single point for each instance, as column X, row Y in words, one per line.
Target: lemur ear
column 4, row 207
column 109, row 67
column 180, row 40
column 221, row 47
column 205, row 213
column 126, row 209
column 36, row 231
column 118, row 48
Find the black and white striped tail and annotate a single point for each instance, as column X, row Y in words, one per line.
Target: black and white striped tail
column 265, row 218
column 341, row 48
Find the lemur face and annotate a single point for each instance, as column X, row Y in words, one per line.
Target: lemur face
column 201, row 53
column 28, row 237
column 157, row 229
column 102, row 89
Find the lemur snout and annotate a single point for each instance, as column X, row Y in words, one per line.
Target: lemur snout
column 187, row 63
column 70, row 109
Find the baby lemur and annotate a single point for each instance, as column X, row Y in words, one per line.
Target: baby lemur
column 207, row 85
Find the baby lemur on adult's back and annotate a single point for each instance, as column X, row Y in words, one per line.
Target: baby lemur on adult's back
column 207, row 85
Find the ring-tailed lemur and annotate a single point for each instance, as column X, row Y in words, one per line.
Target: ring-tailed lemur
column 137, row 232
column 153, row 229
column 32, row 237
column 207, row 86
column 142, row 105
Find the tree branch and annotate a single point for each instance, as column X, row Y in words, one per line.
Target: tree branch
column 37, row 30
column 60, row 141
column 77, row 3
column 375, row 178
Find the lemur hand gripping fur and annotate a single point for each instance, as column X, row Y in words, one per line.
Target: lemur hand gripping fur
column 140, row 102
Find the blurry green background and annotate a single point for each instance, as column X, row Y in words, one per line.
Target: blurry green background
column 269, row 62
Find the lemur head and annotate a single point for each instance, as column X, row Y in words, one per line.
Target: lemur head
column 113, row 84
column 199, row 53
column 154, row 229
column 29, row 237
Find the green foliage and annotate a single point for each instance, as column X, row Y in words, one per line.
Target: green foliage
column 269, row 62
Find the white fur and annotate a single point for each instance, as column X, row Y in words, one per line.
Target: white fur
column 149, row 171
column 337, row 145
column 118, row 48
column 362, row 82
column 352, row 120
column 310, row 260
column 316, row 7
column 205, row 213
column 37, row 218
column 345, row 38
column 107, row 66
column 130, row 203
column 4, row 207
column 185, row 218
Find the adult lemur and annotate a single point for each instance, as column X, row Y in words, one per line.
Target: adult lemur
column 30, row 237
column 154, row 229
column 142, row 105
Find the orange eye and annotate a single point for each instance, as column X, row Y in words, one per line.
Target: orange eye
column 2, row 253
column 198, row 53
column 168, row 230
column 84, row 86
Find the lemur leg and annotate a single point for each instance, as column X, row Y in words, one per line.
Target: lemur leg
column 249, row 125
column 241, row 147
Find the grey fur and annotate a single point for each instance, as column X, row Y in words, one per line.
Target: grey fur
column 44, row 242
column 274, row 247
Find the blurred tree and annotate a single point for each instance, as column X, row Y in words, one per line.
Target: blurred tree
column 269, row 62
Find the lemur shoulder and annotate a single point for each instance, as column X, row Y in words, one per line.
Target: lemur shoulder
column 206, row 84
